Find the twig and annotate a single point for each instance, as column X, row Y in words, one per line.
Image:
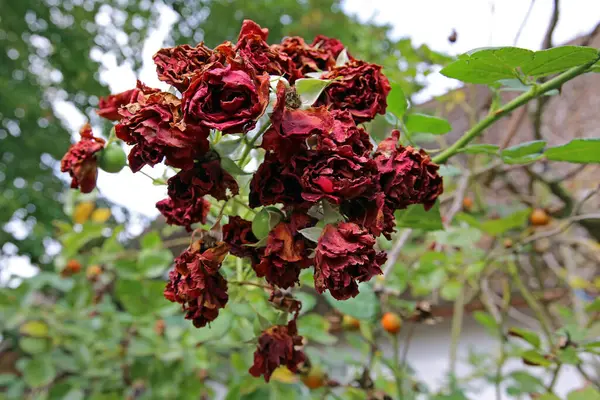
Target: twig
column 459, row 195
column 588, row 196
column 248, row 283
column 457, row 321
column 517, row 102
column 404, row 358
column 547, row 43
column 516, row 122
column 561, row 228
column 394, row 253
column 524, row 22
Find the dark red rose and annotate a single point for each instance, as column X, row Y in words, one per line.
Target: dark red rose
column 154, row 125
column 358, row 87
column 206, row 177
column 336, row 178
column 237, row 233
column 345, row 256
column 197, row 284
column 345, row 137
column 408, row 176
column 80, row 160
column 286, row 253
column 305, row 58
column 184, row 213
column 230, row 99
column 177, row 65
column 253, row 49
column 276, row 347
column 330, row 45
column 290, row 127
column 371, row 212
column 275, row 182
column 108, row 107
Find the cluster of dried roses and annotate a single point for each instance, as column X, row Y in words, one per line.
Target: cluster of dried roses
column 313, row 155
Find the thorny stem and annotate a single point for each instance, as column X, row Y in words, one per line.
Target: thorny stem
column 492, row 117
column 403, row 359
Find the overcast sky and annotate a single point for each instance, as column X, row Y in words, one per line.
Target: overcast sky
column 478, row 23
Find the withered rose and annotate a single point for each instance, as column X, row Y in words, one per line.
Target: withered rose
column 290, row 127
column 305, row 58
column 331, row 45
column 108, row 107
column 358, row 87
column 345, row 256
column 372, row 212
column 253, row 48
column 206, row 177
column 345, row 137
column 154, row 126
column 230, row 99
column 286, row 253
column 237, row 233
column 335, row 177
column 197, row 284
column 177, row 65
column 184, row 213
column 276, row 347
column 408, row 176
column 275, row 182
column 80, row 160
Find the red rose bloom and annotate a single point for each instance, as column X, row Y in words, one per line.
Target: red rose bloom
column 206, row 177
column 335, row 177
column 237, row 234
column 290, row 127
column 275, row 182
column 177, row 65
column 305, row 58
column 184, row 213
column 80, row 160
column 230, row 99
column 345, row 137
column 372, row 213
column 345, row 256
column 358, row 87
column 197, row 284
column 277, row 346
column 253, row 49
column 330, row 45
column 153, row 125
column 286, row 253
column 408, row 176
column 108, row 107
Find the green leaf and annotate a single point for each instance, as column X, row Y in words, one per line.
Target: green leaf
column 265, row 221
column 6, row 379
column 422, row 123
column 457, row 236
column 527, row 335
column 558, row 59
column 548, row 396
column 230, row 166
column 331, row 214
column 34, row 345
column 480, row 149
column 500, row 226
column 516, row 85
column 576, row 151
column 535, row 358
column 314, row 327
column 594, row 306
column 151, row 240
column 449, row 170
column 309, row 89
column 312, row 234
column 487, row 321
column 154, row 262
column 364, row 306
column 308, row 301
column 34, row 329
column 493, row 64
column 216, row 330
column 451, row 289
column 227, row 146
column 588, row 393
column 523, row 153
column 39, row 371
column 416, row 217
column 569, row 356
column 396, row 101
